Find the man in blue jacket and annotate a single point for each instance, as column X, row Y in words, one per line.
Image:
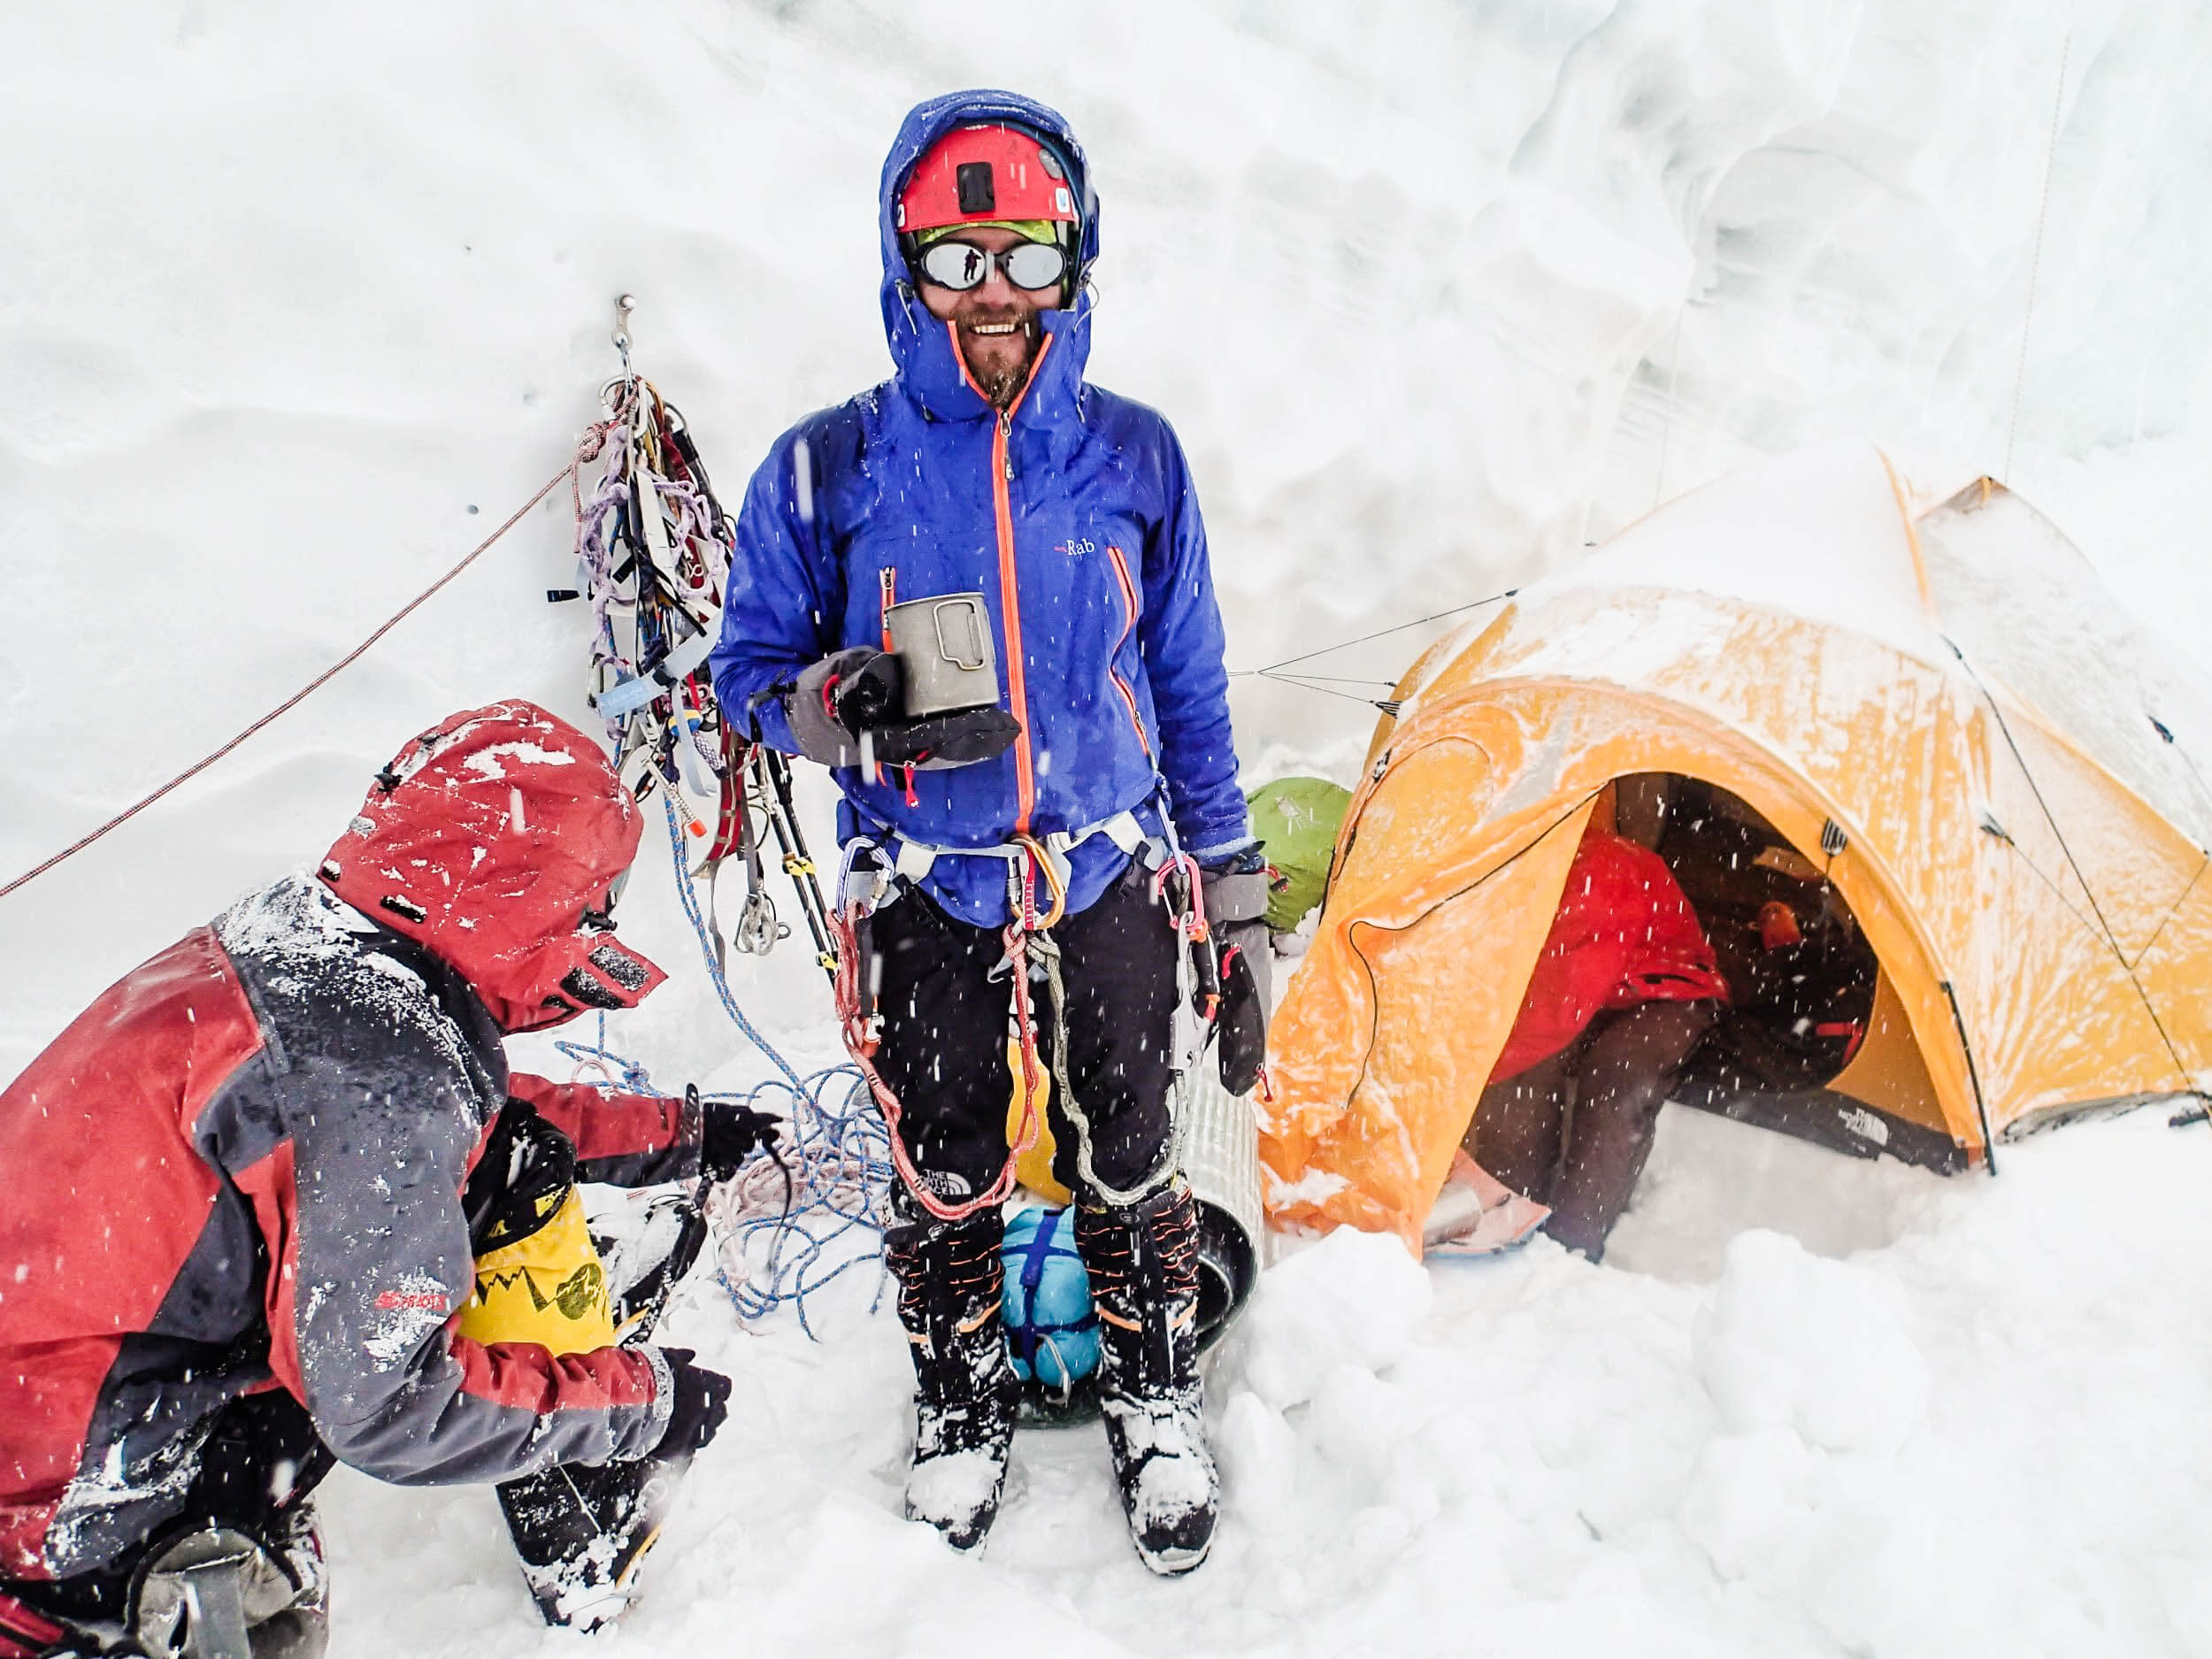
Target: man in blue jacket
column 1045, row 841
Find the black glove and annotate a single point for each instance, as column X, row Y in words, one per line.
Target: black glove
column 1237, row 893
column 862, row 692
column 702, row 1400
column 728, row 1134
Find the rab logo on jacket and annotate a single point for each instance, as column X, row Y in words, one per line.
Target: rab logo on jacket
column 1076, row 547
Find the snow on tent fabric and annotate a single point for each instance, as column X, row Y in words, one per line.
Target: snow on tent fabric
column 1051, row 1327
column 1937, row 713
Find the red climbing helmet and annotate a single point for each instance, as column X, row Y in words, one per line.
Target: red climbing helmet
column 496, row 839
column 990, row 171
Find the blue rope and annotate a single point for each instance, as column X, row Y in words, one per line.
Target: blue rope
column 690, row 897
column 838, row 1155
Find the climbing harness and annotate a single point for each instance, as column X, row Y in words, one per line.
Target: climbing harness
column 876, row 870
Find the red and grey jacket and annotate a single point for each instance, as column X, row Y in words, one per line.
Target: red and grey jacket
column 241, row 1169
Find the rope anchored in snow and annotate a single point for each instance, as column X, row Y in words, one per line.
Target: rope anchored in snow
column 585, row 452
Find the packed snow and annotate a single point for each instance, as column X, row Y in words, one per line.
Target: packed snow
column 304, row 300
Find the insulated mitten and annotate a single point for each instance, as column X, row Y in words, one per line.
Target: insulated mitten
column 702, row 1400
column 849, row 710
column 729, row 1133
column 1237, row 895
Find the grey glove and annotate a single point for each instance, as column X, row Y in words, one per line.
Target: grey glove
column 1236, row 895
column 813, row 708
column 861, row 690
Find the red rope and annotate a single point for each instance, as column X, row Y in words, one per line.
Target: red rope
column 585, row 450
column 860, row 1043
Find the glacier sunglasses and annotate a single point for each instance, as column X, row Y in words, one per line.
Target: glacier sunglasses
column 961, row 266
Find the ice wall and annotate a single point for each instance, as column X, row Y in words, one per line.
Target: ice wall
column 301, row 300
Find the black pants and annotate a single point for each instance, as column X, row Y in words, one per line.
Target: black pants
column 262, row 1461
column 1573, row 1131
column 945, row 1003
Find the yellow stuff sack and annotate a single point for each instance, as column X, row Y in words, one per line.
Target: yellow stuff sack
column 546, row 1287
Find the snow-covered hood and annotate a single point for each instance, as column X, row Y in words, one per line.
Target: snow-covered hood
column 929, row 368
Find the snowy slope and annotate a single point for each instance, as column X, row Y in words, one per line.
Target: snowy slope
column 301, row 301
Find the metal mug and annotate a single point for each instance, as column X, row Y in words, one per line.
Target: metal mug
column 944, row 646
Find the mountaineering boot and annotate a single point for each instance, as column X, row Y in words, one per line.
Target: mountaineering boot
column 1143, row 1264
column 581, row 1530
column 950, row 1280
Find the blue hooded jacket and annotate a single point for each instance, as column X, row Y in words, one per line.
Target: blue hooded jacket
column 1075, row 517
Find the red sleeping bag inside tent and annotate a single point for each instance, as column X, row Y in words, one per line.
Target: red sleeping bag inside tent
column 1623, row 934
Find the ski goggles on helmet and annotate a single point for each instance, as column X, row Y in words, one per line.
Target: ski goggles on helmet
column 961, row 266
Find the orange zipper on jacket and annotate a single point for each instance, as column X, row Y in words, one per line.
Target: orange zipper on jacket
column 1129, row 602
column 1009, row 591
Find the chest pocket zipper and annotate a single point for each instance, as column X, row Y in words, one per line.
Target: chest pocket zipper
column 1130, row 607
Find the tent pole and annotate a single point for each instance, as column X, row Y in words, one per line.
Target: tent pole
column 1974, row 1077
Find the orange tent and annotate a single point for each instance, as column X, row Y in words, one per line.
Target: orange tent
column 1941, row 710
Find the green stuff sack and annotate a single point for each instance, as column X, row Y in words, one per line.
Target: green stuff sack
column 1298, row 818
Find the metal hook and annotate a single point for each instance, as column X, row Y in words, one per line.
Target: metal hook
column 624, row 304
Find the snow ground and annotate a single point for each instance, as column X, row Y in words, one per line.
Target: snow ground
column 1975, row 1427
column 301, row 301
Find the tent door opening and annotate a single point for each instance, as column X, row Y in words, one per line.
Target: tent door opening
column 1814, row 1040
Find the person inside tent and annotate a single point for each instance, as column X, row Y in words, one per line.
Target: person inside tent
column 1041, row 824
column 1799, row 970
column 250, row 1185
column 1623, row 989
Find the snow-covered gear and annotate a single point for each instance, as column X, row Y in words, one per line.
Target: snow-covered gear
column 1237, row 893
column 1051, row 1327
column 986, row 171
column 1573, row 1130
column 213, row 1592
column 1623, row 934
column 495, row 840
column 1143, row 1263
column 581, row 1531
column 291, row 1100
column 1297, row 819
column 1071, row 512
column 1476, row 1214
column 242, row 1560
column 952, row 1281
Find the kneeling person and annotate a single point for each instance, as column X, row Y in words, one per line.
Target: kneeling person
column 239, row 1208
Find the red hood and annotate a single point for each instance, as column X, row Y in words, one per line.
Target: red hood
column 487, row 838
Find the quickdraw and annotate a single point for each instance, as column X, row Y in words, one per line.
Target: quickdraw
column 653, row 552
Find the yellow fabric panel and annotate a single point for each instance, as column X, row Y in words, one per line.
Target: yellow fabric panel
column 1888, row 1072
column 1394, row 1017
column 1444, row 991
column 2053, row 1012
column 548, row 1288
column 1384, row 1035
column 2172, row 970
column 2135, row 864
column 1032, row 1168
